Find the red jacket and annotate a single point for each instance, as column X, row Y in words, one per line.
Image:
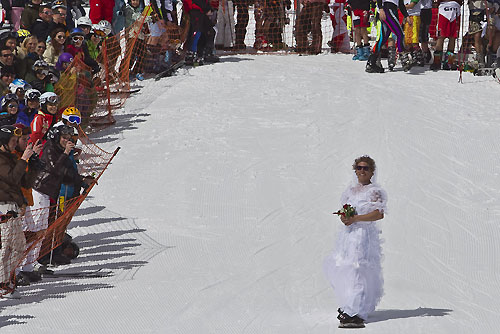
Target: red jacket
column 40, row 125
column 101, row 10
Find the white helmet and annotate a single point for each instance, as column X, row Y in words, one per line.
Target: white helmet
column 49, row 97
column 105, row 26
column 83, row 21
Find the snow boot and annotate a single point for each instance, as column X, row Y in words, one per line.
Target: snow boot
column 365, row 53
column 346, row 321
column 189, row 59
column 436, row 64
column 405, row 61
column 359, row 53
column 373, row 64
column 428, row 57
column 391, row 58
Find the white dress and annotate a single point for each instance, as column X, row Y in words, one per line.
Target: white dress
column 354, row 268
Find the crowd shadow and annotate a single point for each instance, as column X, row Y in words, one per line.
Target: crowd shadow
column 123, row 123
column 232, row 59
column 117, row 254
column 384, row 315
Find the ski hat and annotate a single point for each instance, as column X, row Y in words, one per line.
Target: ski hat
column 77, row 32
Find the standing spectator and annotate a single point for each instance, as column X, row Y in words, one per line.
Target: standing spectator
column 42, row 26
column 101, row 10
column 361, row 21
column 45, row 118
column 477, row 12
column 412, row 31
column 199, row 33
column 133, row 11
column 448, row 26
column 118, row 21
column 30, row 14
column 242, row 18
column 425, row 22
column 226, row 36
column 14, row 174
column 309, row 21
column 340, row 37
column 59, row 12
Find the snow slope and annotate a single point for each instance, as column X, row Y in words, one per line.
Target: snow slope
column 215, row 216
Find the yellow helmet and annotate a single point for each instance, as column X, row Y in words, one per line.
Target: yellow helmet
column 23, row 33
column 72, row 115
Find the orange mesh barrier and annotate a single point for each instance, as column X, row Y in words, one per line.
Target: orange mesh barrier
column 45, row 228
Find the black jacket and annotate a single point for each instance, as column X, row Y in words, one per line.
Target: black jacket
column 13, row 176
column 58, row 170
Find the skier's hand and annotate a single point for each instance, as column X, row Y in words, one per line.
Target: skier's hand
column 28, row 152
column 69, row 146
column 381, row 15
column 37, row 148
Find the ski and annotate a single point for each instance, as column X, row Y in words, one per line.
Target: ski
column 82, row 274
column 131, row 91
column 170, row 70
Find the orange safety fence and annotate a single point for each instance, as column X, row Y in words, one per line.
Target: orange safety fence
column 44, row 229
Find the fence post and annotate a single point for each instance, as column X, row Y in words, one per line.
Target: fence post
column 106, row 68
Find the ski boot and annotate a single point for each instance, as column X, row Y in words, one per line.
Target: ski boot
column 365, row 53
column 391, row 58
column 428, row 56
column 419, row 57
column 359, row 53
column 449, row 63
column 405, row 61
column 346, row 321
column 436, row 64
column 209, row 57
column 373, row 64
column 189, row 59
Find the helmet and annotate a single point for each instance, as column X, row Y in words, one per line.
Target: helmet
column 77, row 32
column 83, row 21
column 26, row 130
column 19, row 83
column 40, row 65
column 9, row 98
column 23, row 33
column 63, row 58
column 6, row 31
column 104, row 26
column 56, row 132
column 72, row 115
column 49, row 97
column 7, row 131
column 32, row 94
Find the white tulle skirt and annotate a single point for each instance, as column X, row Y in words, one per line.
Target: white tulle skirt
column 354, row 269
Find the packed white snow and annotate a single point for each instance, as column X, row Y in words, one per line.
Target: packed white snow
column 216, row 215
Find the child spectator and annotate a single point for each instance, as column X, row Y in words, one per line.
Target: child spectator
column 133, row 11
column 31, row 107
column 448, row 25
column 45, row 118
column 10, row 108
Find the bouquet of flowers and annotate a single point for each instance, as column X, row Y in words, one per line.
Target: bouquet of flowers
column 346, row 211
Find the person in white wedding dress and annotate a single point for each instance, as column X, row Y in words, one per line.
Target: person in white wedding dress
column 354, row 268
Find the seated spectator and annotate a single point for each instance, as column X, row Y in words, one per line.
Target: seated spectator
column 45, row 118
column 6, row 77
column 10, row 108
column 55, row 47
column 31, row 107
column 30, row 14
column 14, row 174
column 29, row 48
column 41, row 28
column 7, row 58
column 40, row 48
column 59, row 11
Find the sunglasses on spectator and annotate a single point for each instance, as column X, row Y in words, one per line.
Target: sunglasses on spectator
column 74, row 119
column 8, row 55
column 60, row 36
column 365, row 168
column 77, row 38
column 47, row 13
column 12, row 105
column 62, row 14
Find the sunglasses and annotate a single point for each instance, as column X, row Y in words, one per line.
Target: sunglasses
column 61, row 37
column 61, row 14
column 47, row 13
column 74, row 119
column 13, row 105
column 8, row 55
column 365, row 168
column 77, row 38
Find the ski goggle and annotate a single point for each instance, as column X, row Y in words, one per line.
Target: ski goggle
column 16, row 131
column 99, row 33
column 12, row 105
column 52, row 99
column 44, row 72
column 77, row 38
column 74, row 119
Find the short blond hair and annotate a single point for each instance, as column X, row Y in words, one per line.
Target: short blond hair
column 367, row 159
